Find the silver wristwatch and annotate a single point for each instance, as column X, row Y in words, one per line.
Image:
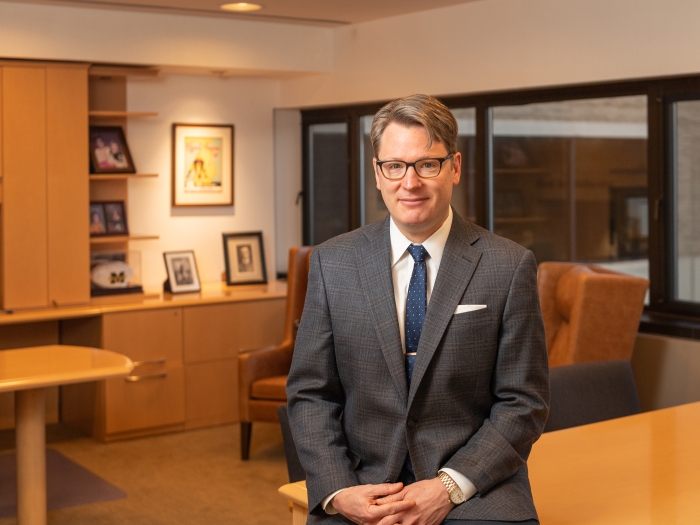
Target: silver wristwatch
column 453, row 491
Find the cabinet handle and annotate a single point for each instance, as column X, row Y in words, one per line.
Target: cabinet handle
column 160, row 361
column 133, row 379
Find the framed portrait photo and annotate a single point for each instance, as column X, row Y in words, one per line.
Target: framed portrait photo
column 244, row 257
column 202, row 165
column 98, row 224
column 182, row 272
column 115, row 217
column 109, row 152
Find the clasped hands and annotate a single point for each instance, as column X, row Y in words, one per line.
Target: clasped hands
column 421, row 503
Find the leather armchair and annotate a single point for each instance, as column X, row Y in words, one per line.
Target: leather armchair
column 590, row 314
column 262, row 373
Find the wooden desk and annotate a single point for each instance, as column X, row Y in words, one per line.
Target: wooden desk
column 27, row 372
column 643, row 469
column 637, row 470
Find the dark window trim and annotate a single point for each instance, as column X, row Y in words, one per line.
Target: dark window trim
column 664, row 312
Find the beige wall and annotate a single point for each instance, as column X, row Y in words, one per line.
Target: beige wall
column 505, row 44
column 248, row 105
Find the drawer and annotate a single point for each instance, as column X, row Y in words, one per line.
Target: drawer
column 157, row 399
column 145, row 335
column 221, row 331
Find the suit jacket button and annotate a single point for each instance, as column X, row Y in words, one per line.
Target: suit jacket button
column 387, row 480
column 411, row 422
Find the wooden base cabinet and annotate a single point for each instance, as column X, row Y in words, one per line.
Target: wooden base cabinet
column 186, row 373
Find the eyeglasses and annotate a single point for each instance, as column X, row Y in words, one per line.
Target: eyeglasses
column 425, row 168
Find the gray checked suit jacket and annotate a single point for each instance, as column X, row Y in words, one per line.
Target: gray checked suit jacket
column 480, row 388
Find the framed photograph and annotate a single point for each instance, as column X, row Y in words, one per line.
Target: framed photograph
column 202, row 165
column 182, row 272
column 115, row 215
column 109, row 152
column 98, row 224
column 244, row 258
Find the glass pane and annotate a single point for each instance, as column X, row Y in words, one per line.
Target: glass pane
column 687, row 206
column 372, row 207
column 570, row 180
column 328, row 181
column 463, row 196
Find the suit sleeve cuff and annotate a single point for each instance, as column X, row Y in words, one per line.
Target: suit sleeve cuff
column 327, row 503
column 466, row 486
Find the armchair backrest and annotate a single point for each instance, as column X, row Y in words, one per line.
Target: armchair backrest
column 589, row 313
column 297, row 279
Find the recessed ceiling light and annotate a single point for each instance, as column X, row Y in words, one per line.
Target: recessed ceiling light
column 241, row 7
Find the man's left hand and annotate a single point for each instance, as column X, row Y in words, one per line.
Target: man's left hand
column 432, row 504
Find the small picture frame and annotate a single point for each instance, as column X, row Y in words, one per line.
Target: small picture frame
column 98, row 224
column 109, row 152
column 182, row 272
column 108, row 218
column 244, row 257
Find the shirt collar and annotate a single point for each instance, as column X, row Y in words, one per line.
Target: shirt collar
column 435, row 244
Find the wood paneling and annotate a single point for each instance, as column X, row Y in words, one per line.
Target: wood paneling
column 146, row 335
column 24, row 186
column 67, row 168
column 212, row 393
column 222, row 331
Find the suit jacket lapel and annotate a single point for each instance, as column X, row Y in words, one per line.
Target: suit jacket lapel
column 374, row 265
column 459, row 261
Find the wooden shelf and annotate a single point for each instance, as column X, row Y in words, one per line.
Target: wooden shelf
column 120, row 114
column 121, row 176
column 111, row 239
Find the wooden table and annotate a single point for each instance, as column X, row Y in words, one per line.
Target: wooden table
column 27, row 372
column 637, row 470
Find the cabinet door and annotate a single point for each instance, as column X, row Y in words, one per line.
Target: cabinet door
column 24, row 208
column 221, row 331
column 154, row 395
column 67, row 178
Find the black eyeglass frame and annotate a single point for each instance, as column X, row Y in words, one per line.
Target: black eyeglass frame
column 409, row 164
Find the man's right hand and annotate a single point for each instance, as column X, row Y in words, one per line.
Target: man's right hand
column 359, row 503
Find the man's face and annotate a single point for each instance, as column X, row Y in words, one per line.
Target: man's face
column 418, row 206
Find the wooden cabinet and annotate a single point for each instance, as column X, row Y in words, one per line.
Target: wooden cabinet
column 213, row 336
column 186, row 373
column 44, row 233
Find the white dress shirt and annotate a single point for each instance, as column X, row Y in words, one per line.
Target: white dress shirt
column 401, row 270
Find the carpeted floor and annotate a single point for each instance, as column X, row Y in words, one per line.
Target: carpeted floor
column 193, row 477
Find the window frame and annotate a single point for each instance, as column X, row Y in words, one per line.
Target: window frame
column 664, row 311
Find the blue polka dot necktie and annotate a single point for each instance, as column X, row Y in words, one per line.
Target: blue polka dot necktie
column 416, row 303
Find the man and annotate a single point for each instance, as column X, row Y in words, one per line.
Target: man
column 419, row 378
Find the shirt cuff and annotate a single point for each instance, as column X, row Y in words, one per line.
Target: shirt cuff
column 327, row 503
column 466, row 486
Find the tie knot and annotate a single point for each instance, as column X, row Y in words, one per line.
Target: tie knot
column 417, row 252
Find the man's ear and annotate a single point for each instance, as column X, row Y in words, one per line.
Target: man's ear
column 377, row 175
column 456, row 168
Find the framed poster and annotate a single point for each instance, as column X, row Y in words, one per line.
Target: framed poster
column 202, row 165
column 109, row 152
column 244, row 257
column 182, row 272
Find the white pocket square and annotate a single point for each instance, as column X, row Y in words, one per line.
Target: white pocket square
column 468, row 308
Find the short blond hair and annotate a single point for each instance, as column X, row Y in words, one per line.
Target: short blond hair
column 417, row 110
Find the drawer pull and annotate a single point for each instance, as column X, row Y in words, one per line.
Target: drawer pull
column 133, row 379
column 160, row 361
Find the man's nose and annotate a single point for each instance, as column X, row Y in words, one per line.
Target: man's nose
column 411, row 179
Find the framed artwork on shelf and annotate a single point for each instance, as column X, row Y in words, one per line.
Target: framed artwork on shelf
column 182, row 272
column 108, row 218
column 202, row 165
column 244, row 257
column 109, row 152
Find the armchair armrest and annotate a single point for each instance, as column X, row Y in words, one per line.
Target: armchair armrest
column 263, row 362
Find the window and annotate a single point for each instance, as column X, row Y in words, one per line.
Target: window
column 606, row 174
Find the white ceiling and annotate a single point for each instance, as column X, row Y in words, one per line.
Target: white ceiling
column 315, row 12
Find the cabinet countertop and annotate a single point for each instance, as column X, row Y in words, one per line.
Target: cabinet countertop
column 211, row 293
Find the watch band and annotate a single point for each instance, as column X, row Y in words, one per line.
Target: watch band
column 453, row 491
